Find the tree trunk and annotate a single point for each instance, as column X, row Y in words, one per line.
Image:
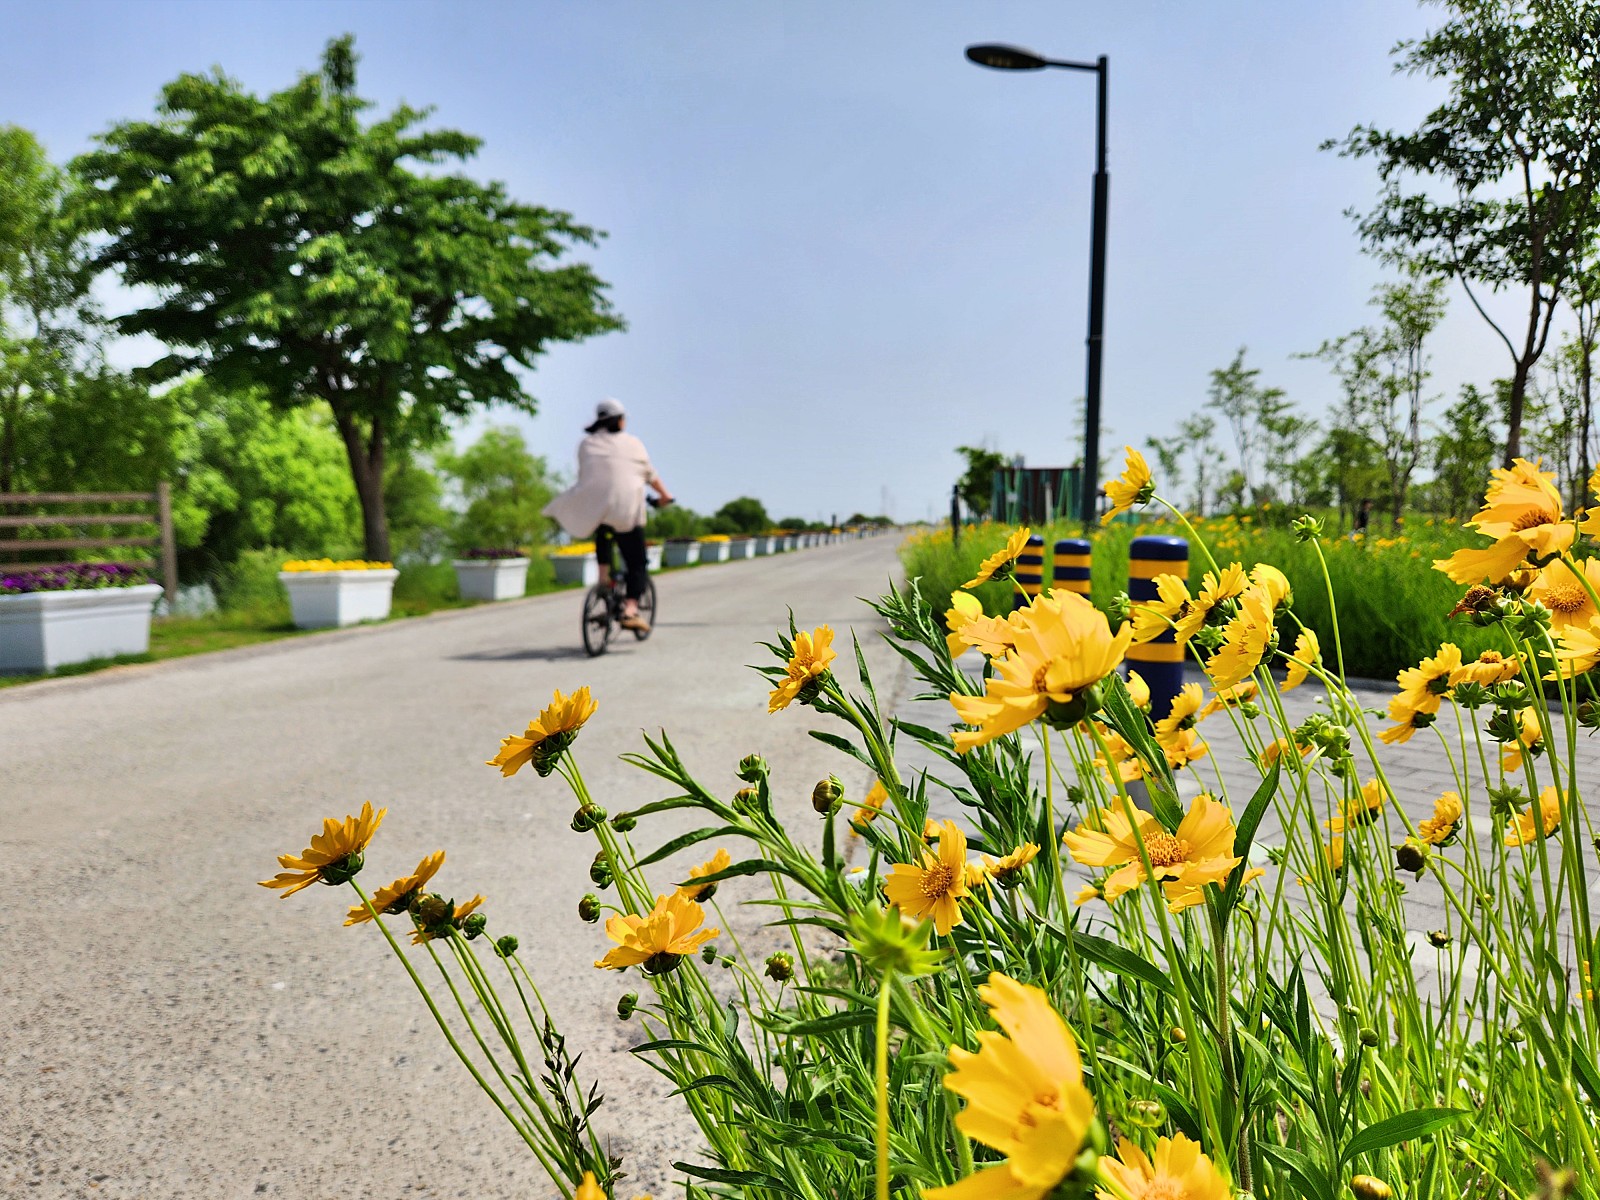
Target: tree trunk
column 366, row 469
column 1586, row 377
column 1519, row 391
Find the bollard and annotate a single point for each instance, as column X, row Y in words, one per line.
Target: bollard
column 1071, row 570
column 1029, row 572
column 1159, row 662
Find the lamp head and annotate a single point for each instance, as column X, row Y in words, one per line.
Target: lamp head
column 1006, row 58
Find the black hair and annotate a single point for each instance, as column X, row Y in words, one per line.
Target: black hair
column 608, row 424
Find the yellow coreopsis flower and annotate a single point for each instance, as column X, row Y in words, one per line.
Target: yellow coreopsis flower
column 334, row 856
column 1173, row 608
column 808, row 663
column 547, row 735
column 1489, row 668
column 969, row 626
column 1133, row 486
column 933, row 888
column 1273, row 582
column 1526, row 829
column 1558, row 588
column 658, row 940
column 1577, row 651
column 1025, row 1097
column 1005, row 870
column 1087, row 893
column 1217, row 587
column 998, row 564
column 1362, row 811
column 1064, row 647
column 1440, row 828
column 1198, row 853
column 392, row 898
column 1307, row 654
column 1529, row 735
column 703, row 891
column 1230, row 697
column 1119, row 754
column 1183, row 748
column 589, row 1189
column 1184, row 713
column 877, row 796
column 1407, row 718
column 1522, row 513
column 1138, row 690
column 1177, row 1172
column 435, row 916
column 1245, row 640
column 1275, row 751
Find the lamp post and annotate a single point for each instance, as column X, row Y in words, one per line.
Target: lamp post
column 1015, row 58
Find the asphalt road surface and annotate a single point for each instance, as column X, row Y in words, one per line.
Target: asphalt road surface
column 173, row 1030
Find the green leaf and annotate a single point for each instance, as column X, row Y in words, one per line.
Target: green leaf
column 750, row 866
column 687, row 840
column 1114, row 958
column 743, row 1178
column 1306, row 1179
column 1245, row 833
column 1402, row 1127
column 836, row 1022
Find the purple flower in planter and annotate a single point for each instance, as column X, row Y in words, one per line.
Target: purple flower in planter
column 479, row 552
column 20, row 580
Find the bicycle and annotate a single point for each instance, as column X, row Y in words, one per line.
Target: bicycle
column 603, row 607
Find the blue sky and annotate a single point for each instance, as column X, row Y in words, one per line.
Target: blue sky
column 842, row 249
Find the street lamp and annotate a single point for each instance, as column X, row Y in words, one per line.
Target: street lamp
column 1016, row 58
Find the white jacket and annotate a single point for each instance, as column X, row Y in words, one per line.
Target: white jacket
column 613, row 469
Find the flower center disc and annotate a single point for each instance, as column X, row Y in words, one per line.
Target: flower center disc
column 1165, row 851
column 1565, row 598
column 937, row 881
column 1531, row 519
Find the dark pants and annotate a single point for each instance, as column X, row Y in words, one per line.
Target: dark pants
column 631, row 543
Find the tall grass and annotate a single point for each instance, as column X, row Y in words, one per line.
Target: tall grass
column 1393, row 609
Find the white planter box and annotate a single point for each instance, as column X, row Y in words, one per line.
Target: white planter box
column 791, row 542
column 652, row 558
column 741, row 548
column 763, row 545
column 330, row 599
column 40, row 631
column 576, row 568
column 714, row 551
column 492, row 578
column 681, row 554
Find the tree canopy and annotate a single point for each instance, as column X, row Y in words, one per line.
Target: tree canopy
column 294, row 247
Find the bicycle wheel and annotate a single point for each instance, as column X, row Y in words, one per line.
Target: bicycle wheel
column 596, row 620
column 647, row 609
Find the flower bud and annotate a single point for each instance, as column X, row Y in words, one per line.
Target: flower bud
column 506, row 946
column 825, row 797
column 624, row 822
column 431, row 909
column 589, row 908
column 708, row 954
column 587, row 817
column 1118, row 610
column 1366, row 1187
column 600, row 871
column 1306, row 528
column 747, row 800
column 752, row 767
column 1411, row 855
column 1147, row 1114
column 473, row 926
column 626, row 1004
column 1368, row 1036
column 1177, row 1034
column 1515, row 1036
column 780, row 967
column 1439, row 938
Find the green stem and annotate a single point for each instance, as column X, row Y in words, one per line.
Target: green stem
column 882, row 1075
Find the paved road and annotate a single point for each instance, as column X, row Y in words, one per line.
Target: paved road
column 173, row 1030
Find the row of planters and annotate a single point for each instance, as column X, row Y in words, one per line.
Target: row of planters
column 59, row 616
column 576, row 563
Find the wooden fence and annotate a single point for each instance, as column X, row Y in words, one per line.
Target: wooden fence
column 26, row 538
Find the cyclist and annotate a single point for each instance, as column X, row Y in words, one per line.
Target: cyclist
column 608, row 502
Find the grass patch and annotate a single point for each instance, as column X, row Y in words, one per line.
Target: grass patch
column 1393, row 606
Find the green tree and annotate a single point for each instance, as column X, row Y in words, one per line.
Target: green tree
column 1463, row 451
column 1197, row 432
column 1383, row 373
column 674, row 521
column 46, row 318
column 505, row 488
column 293, row 247
column 1250, row 410
column 743, row 515
column 976, row 485
column 1496, row 187
column 1169, row 464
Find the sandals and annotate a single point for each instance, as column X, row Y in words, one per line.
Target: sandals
column 634, row 622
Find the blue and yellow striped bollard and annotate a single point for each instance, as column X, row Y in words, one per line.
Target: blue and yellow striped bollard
column 1159, row 662
column 1029, row 572
column 1070, row 572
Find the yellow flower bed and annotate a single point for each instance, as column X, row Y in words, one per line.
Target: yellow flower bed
column 574, row 550
column 1221, row 983
column 329, row 564
column 714, row 537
